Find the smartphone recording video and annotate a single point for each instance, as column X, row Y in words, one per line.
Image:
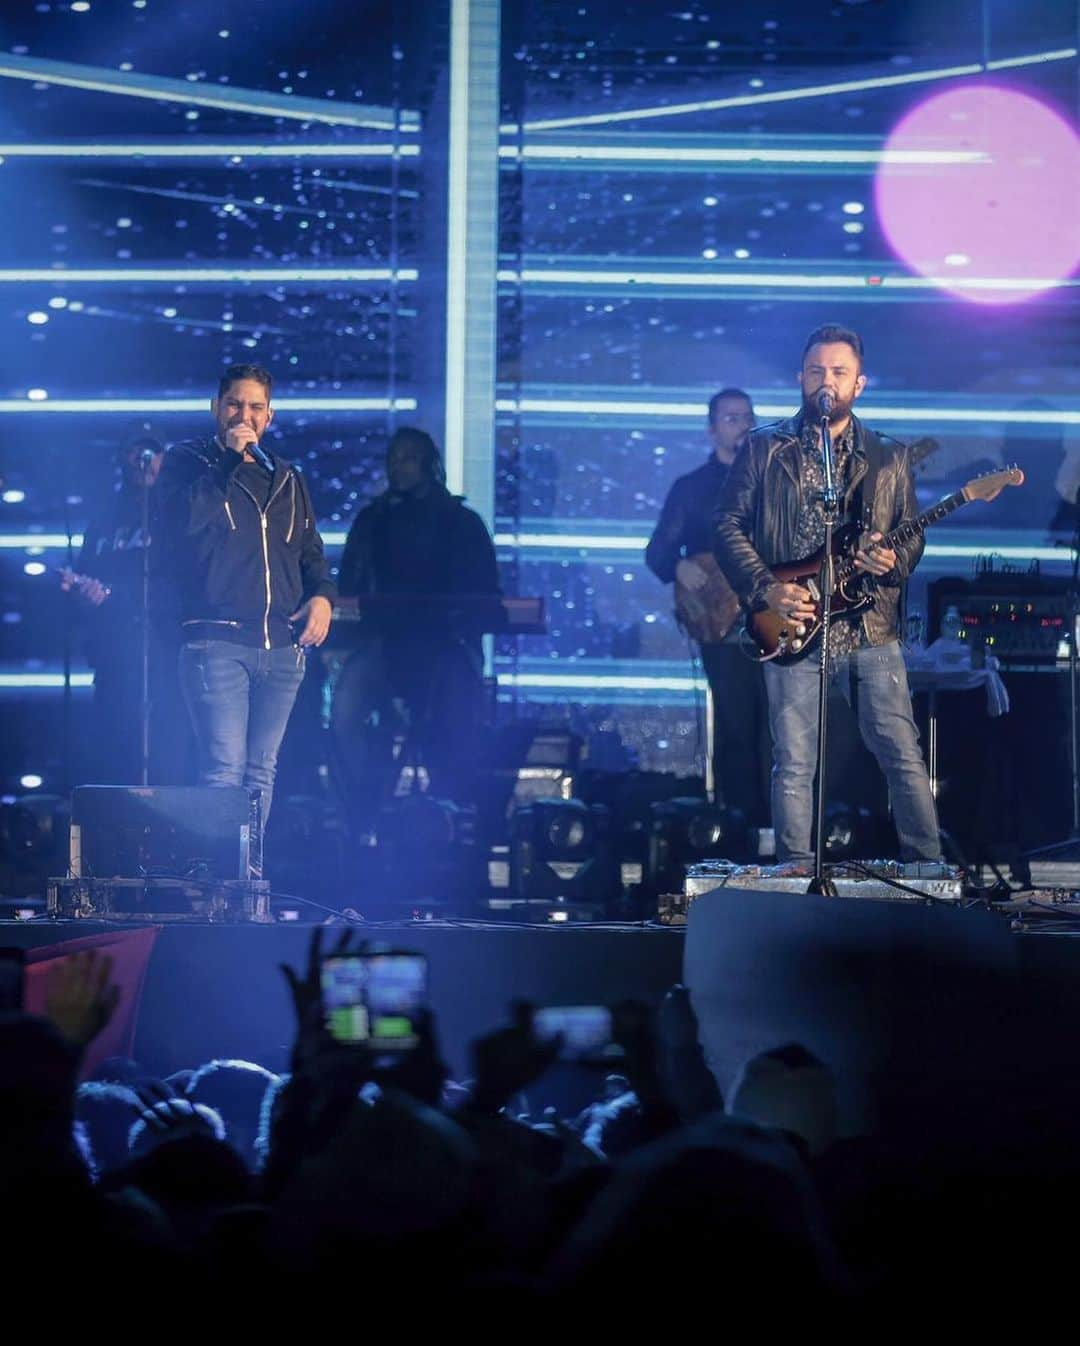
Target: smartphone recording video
column 375, row 998
column 585, row 1029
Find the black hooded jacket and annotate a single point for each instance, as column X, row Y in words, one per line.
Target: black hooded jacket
column 237, row 565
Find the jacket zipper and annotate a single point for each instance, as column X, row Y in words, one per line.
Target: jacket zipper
column 265, row 552
column 229, row 516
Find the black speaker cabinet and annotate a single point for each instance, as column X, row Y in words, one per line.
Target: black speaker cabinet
column 172, row 832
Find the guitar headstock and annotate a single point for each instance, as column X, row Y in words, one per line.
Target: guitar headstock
column 989, row 485
column 921, row 449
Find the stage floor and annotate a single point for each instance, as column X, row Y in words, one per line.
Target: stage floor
column 217, row 990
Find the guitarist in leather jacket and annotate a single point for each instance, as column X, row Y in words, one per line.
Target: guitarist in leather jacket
column 740, row 747
column 771, row 513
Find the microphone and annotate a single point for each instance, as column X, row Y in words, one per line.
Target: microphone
column 146, row 458
column 826, row 402
column 261, row 456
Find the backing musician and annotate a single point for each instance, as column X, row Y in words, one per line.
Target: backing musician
column 422, row 566
column 772, row 513
column 680, row 551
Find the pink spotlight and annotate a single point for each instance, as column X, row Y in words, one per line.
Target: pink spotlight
column 1001, row 205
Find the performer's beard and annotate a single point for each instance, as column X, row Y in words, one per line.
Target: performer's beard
column 842, row 409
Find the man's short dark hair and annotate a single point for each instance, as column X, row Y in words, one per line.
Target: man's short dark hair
column 719, row 397
column 235, row 373
column 831, row 332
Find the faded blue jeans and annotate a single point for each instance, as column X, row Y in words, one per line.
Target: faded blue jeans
column 873, row 679
column 240, row 698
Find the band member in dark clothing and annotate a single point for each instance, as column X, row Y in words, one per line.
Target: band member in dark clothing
column 772, row 512
column 244, row 560
column 680, row 551
column 109, row 579
column 421, row 566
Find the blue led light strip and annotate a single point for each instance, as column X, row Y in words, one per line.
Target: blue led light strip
column 159, row 405
column 601, row 682
column 676, row 155
column 206, row 275
column 45, row 679
column 873, row 282
column 792, row 95
column 193, row 93
column 191, row 148
column 561, row 406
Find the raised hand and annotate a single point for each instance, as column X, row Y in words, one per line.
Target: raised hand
column 79, row 998
column 510, row 1059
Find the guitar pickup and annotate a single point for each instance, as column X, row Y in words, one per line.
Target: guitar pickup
column 815, row 591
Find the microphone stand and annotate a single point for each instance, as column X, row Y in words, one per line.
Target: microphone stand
column 144, row 643
column 821, row 883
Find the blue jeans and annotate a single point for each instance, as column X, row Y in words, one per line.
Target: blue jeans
column 240, row 697
column 877, row 679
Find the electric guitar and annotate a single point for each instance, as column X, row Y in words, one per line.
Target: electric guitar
column 708, row 614
column 786, row 641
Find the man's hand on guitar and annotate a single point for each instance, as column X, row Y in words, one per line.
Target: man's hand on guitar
column 872, row 558
column 690, row 575
column 791, row 601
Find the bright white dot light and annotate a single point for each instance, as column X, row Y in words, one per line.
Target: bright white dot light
column 123, row 222
column 957, row 259
column 80, row 6
column 742, row 254
column 14, row 497
column 34, row 568
column 853, row 227
column 37, row 317
column 712, row 201
column 708, row 253
column 853, row 207
column 58, row 301
column 757, row 84
column 76, row 306
column 139, row 4
column 32, row 782
column 191, row 115
column 36, row 395
column 224, row 32
column 168, row 313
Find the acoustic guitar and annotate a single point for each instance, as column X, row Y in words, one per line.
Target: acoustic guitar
column 786, row 641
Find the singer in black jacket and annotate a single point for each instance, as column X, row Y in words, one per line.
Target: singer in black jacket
column 249, row 580
column 771, row 512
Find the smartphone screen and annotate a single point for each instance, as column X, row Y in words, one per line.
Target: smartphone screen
column 12, row 962
column 375, row 998
column 586, row 1031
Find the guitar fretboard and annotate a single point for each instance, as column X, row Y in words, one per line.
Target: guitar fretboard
column 912, row 528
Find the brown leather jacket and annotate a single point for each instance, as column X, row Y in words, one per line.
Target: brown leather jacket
column 755, row 522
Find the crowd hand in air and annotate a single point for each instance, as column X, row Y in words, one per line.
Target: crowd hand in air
column 872, row 558
column 86, row 586
column 168, row 1116
column 510, row 1059
column 690, row 575
column 79, row 998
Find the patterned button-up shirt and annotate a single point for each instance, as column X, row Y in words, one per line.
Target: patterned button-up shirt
column 846, row 633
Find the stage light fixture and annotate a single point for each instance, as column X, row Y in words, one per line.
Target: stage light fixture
column 425, row 855
column 687, row 830
column 561, row 848
column 850, row 832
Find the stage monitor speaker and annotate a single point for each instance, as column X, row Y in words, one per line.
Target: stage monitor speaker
column 163, row 832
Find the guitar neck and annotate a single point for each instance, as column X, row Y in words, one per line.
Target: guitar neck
column 913, row 527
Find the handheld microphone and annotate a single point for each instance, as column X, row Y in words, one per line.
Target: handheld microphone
column 261, row 456
column 826, row 402
column 146, row 458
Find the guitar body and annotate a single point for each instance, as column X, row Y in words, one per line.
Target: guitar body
column 783, row 641
column 706, row 614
